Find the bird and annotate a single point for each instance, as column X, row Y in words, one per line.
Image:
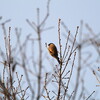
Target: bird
column 53, row 51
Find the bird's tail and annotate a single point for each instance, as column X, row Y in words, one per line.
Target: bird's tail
column 58, row 60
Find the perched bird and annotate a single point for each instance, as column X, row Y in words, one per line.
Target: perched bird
column 53, row 51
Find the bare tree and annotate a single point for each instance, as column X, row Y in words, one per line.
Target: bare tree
column 38, row 80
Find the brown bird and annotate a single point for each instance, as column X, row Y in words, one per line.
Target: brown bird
column 53, row 51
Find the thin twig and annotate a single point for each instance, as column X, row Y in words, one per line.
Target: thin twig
column 90, row 95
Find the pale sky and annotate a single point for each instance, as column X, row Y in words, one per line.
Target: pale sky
column 70, row 11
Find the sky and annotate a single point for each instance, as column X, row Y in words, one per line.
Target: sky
column 71, row 12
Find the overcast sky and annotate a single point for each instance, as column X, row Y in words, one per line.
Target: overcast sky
column 70, row 11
